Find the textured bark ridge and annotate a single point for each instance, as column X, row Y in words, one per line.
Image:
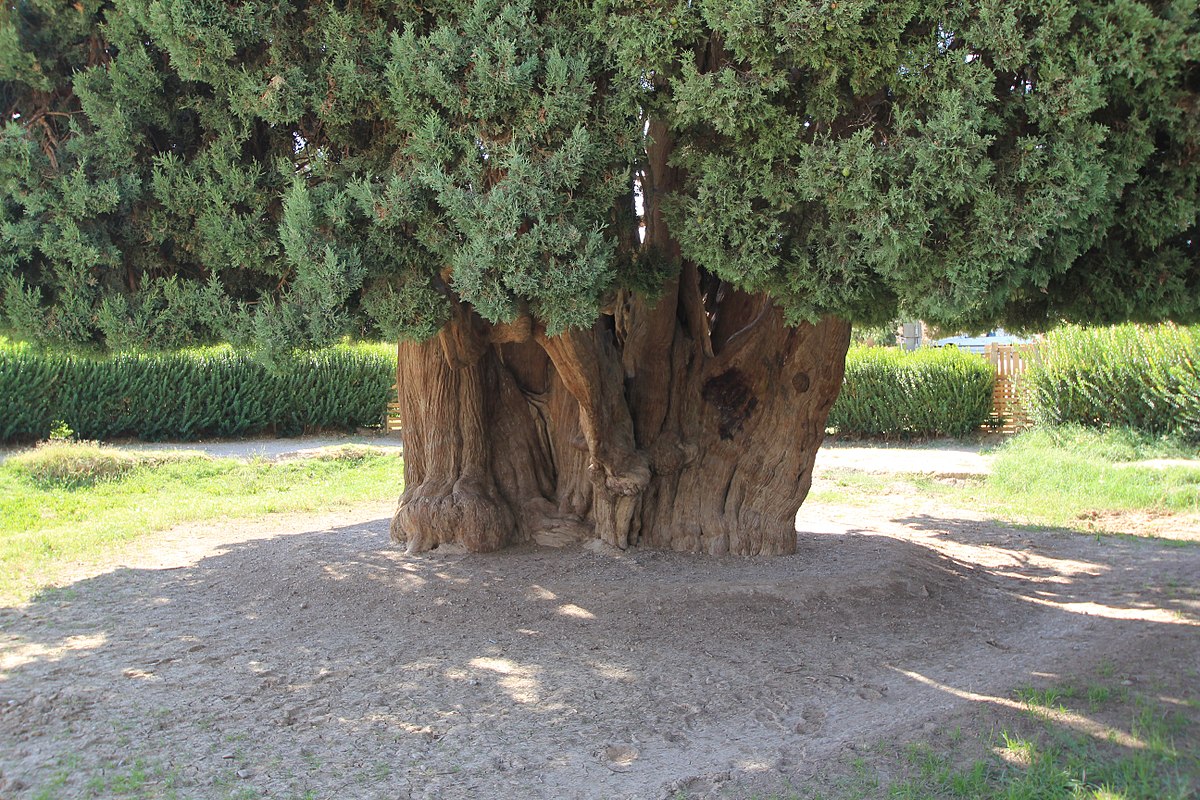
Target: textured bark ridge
column 691, row 424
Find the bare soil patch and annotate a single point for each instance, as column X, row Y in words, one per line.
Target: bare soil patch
column 306, row 656
column 1157, row 524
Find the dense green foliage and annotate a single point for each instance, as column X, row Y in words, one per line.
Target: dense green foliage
column 174, row 172
column 191, row 394
column 1141, row 377
column 894, row 393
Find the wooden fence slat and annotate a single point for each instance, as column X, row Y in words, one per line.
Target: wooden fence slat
column 392, row 422
column 391, row 418
column 1009, row 361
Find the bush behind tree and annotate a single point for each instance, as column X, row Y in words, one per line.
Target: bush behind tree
column 1142, row 377
column 894, row 393
column 191, row 394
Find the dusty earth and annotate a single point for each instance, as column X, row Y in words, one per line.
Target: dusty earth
column 307, row 657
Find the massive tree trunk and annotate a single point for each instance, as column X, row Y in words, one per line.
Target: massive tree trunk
column 691, row 423
column 661, row 427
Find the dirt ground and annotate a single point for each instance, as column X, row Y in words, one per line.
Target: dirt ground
column 307, row 657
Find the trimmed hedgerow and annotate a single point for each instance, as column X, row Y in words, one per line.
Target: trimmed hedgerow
column 894, row 393
column 1144, row 377
column 191, row 394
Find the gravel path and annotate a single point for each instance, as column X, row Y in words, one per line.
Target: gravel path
column 945, row 457
column 941, row 457
column 252, row 448
column 271, row 448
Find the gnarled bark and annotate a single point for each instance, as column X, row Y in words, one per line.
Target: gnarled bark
column 481, row 457
column 642, row 431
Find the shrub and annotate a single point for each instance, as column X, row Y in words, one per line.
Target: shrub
column 191, row 394
column 894, row 393
column 1135, row 376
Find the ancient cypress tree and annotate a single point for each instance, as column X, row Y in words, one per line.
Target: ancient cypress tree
column 621, row 243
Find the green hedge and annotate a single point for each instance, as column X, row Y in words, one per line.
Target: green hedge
column 1137, row 376
column 191, row 394
column 930, row 392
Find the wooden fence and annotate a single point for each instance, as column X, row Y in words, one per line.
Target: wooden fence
column 1009, row 361
column 391, row 420
column 391, row 417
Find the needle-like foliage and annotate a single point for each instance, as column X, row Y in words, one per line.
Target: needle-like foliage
column 284, row 172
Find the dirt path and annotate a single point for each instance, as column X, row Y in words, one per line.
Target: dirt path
column 251, row 448
column 306, row 657
column 944, row 457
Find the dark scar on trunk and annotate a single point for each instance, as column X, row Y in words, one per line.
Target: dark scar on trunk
column 731, row 395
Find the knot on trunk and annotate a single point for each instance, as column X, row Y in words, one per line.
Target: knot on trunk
column 669, row 455
column 627, row 481
column 730, row 393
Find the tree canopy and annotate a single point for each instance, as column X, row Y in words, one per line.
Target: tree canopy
column 283, row 172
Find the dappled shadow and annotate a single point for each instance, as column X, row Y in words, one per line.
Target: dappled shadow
column 329, row 661
column 1108, row 576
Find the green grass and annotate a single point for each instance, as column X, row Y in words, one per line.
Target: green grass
column 74, row 465
column 1111, row 445
column 1052, row 761
column 1053, row 477
column 1057, row 477
column 73, row 503
column 1049, row 697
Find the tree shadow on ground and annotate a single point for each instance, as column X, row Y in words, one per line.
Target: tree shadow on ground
column 1103, row 575
column 328, row 662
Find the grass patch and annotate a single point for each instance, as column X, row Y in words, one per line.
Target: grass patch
column 73, row 465
column 1148, row 752
column 1111, row 445
column 852, row 487
column 67, row 503
column 1070, row 477
column 1049, row 697
column 137, row 779
column 1061, row 476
